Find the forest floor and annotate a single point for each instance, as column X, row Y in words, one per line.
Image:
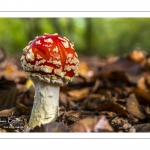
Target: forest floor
column 109, row 95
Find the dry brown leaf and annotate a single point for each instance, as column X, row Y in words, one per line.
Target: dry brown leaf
column 16, row 75
column 8, row 93
column 114, row 107
column 71, row 102
column 147, row 80
column 51, row 127
column 8, row 112
column 92, row 102
column 6, row 84
column 95, row 96
column 133, row 107
column 78, row 94
column 63, row 97
column 141, row 84
column 142, row 127
column 85, row 125
column 85, row 72
column 124, row 65
column 8, row 99
column 145, row 96
column 83, row 68
column 137, row 55
column 103, row 125
column 95, row 124
column 10, row 69
column 22, row 108
column 73, row 113
column 96, row 85
column 77, row 80
column 2, row 130
column 26, row 96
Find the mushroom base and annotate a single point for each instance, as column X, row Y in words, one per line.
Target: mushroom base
column 46, row 103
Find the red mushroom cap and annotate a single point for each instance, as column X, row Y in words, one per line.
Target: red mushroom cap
column 51, row 58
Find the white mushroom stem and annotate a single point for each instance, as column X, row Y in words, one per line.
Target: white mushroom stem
column 46, row 103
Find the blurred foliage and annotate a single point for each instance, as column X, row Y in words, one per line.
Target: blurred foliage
column 102, row 36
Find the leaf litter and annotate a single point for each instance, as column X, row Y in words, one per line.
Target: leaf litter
column 109, row 95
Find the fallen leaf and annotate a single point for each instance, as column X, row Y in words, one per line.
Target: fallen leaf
column 8, row 93
column 23, row 108
column 51, row 127
column 78, row 94
column 77, row 82
column 142, row 127
column 142, row 94
column 85, row 125
column 6, row 84
column 8, row 99
column 114, row 107
column 69, row 118
column 137, row 55
column 141, row 84
column 2, row 130
column 95, row 124
column 8, row 112
column 103, row 125
column 26, row 97
column 63, row 97
column 92, row 102
column 133, row 107
column 85, row 72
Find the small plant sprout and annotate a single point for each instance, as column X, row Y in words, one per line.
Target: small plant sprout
column 49, row 61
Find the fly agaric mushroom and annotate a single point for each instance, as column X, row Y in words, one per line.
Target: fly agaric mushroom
column 49, row 61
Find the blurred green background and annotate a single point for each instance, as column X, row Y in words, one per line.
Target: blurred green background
column 92, row 36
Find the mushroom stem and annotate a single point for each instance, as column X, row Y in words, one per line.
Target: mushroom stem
column 46, row 103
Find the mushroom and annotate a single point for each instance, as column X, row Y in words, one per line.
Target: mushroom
column 49, row 60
